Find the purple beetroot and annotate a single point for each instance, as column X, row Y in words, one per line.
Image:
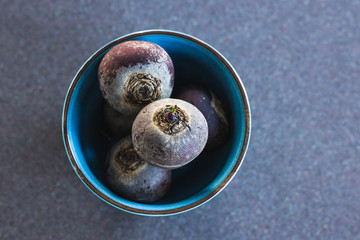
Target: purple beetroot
column 135, row 73
column 169, row 133
column 213, row 110
column 131, row 177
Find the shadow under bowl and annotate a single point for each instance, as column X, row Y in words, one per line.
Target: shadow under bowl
column 195, row 62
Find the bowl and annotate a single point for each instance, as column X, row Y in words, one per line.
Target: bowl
column 192, row 185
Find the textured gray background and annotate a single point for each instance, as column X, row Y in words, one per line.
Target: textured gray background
column 299, row 61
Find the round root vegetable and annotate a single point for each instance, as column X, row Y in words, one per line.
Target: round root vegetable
column 213, row 110
column 134, row 73
column 169, row 133
column 132, row 178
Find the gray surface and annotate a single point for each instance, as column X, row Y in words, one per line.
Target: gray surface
column 299, row 61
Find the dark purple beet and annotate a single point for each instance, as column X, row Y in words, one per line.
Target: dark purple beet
column 134, row 73
column 213, row 110
column 131, row 177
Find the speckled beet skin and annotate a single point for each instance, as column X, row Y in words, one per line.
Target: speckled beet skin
column 164, row 150
column 212, row 109
column 128, row 61
column 123, row 55
column 144, row 184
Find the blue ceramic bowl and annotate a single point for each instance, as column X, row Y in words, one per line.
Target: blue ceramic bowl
column 192, row 185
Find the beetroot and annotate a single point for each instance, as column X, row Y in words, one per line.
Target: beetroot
column 209, row 105
column 169, row 133
column 134, row 73
column 131, row 177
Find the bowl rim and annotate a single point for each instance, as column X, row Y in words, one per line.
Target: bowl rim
column 210, row 195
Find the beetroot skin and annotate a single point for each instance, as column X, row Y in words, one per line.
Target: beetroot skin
column 135, row 73
column 209, row 105
column 169, row 133
column 132, row 178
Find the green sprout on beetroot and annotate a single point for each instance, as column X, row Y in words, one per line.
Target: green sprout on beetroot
column 172, row 116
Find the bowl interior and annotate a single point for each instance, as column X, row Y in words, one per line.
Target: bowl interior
column 193, row 64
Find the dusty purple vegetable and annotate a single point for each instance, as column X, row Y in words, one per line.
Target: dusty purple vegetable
column 134, row 73
column 131, row 177
column 169, row 133
column 213, row 110
column 118, row 123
